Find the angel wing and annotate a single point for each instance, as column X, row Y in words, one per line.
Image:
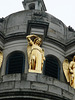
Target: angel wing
column 1, row 59
column 66, row 69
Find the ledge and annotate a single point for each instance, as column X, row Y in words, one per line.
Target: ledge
column 32, row 84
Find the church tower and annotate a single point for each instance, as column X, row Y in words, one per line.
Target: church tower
column 58, row 43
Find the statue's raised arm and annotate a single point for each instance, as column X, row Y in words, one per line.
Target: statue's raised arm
column 30, row 39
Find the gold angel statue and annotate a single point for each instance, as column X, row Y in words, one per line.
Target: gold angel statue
column 69, row 71
column 1, row 58
column 35, row 54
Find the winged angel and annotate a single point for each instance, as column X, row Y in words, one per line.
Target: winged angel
column 1, row 58
column 35, row 53
column 69, row 71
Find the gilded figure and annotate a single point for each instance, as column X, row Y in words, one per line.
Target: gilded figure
column 69, row 71
column 1, row 58
column 35, row 54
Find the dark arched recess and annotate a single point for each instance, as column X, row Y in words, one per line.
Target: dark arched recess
column 32, row 6
column 15, row 63
column 51, row 67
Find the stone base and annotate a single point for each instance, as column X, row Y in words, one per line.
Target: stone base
column 35, row 71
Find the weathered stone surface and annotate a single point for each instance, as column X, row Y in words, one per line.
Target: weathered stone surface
column 60, row 84
column 24, row 76
column 22, row 85
column 39, row 86
column 1, row 79
column 11, row 77
column 6, row 85
column 49, row 80
column 8, row 77
column 25, row 84
column 67, row 95
column 71, row 90
column 73, row 97
column 31, row 76
column 44, row 79
column 41, row 78
column 55, row 90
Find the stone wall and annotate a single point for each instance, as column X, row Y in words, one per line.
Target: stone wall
column 21, row 45
column 33, row 85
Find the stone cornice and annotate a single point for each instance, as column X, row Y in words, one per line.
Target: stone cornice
column 18, row 36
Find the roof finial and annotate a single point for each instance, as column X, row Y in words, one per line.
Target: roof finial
column 34, row 5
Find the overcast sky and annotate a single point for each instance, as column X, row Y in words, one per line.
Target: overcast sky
column 61, row 9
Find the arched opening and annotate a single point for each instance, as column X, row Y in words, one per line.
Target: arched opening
column 15, row 63
column 32, row 6
column 51, row 67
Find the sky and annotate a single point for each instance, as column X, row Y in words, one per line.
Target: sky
column 64, row 10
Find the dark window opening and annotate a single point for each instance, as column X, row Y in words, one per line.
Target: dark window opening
column 51, row 67
column 31, row 6
column 15, row 63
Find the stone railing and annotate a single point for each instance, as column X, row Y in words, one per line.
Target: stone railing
column 34, row 85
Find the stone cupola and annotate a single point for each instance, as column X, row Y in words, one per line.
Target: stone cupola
column 34, row 5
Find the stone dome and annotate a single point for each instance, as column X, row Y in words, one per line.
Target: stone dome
column 58, row 43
